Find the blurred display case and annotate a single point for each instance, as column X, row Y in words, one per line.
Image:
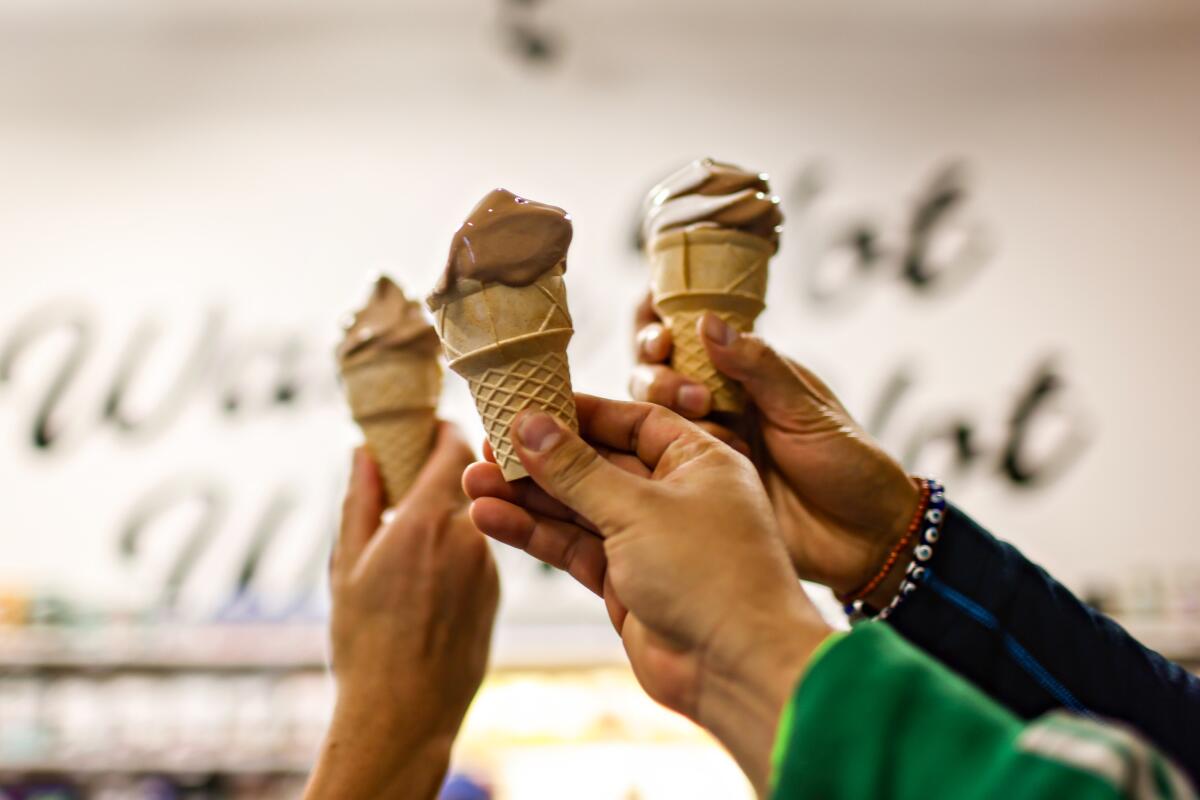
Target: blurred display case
column 238, row 710
column 233, row 710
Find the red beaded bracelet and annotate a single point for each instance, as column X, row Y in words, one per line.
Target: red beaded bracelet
column 901, row 546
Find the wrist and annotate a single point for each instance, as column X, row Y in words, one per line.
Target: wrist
column 741, row 702
column 883, row 594
column 911, row 502
column 368, row 752
column 892, row 553
column 908, row 502
column 907, row 569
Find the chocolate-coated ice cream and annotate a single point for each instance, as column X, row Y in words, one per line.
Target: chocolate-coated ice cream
column 388, row 321
column 506, row 239
column 708, row 193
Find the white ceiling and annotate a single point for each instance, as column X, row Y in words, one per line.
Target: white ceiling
column 1016, row 16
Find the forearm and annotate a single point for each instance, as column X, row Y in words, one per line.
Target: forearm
column 1003, row 623
column 877, row 718
column 743, row 715
column 365, row 755
column 743, row 699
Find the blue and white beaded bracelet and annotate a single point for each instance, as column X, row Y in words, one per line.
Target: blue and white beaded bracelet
column 935, row 518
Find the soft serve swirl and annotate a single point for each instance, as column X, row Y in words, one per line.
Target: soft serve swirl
column 708, row 193
column 387, row 321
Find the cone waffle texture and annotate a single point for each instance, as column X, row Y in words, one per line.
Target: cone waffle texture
column 394, row 400
column 510, row 343
column 708, row 269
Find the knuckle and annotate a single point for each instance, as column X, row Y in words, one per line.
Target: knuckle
column 564, row 551
column 763, row 363
column 421, row 519
column 470, row 547
column 573, row 464
column 755, row 350
column 662, row 389
column 439, row 518
column 659, row 415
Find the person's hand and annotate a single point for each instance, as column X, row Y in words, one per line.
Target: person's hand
column 674, row 530
column 842, row 502
column 414, row 598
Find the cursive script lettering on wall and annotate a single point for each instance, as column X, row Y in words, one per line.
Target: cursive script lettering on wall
column 236, row 376
column 1043, row 436
column 46, row 424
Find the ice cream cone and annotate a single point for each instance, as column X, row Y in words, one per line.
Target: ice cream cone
column 708, row 269
column 510, row 343
column 394, row 398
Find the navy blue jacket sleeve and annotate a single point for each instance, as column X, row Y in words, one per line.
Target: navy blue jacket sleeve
column 1002, row 622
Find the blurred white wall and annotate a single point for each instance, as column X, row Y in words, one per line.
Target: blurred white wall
column 161, row 163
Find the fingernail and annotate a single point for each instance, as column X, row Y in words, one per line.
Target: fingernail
column 358, row 463
column 651, row 342
column 538, row 431
column 691, row 398
column 717, row 330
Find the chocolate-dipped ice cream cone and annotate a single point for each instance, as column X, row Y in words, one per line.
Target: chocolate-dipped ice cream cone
column 709, row 231
column 389, row 366
column 501, row 312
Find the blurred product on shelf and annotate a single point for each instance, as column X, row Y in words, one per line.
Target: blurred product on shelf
column 153, row 787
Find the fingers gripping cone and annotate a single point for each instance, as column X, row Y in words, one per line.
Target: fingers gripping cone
column 510, row 343
column 708, row 269
column 394, row 400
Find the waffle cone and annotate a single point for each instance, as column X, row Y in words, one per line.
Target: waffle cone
column 394, row 400
column 708, row 269
column 510, row 343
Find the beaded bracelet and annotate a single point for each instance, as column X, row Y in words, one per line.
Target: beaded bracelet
column 935, row 517
column 848, row 600
column 931, row 513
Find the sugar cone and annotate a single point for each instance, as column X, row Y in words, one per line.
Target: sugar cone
column 394, row 400
column 708, row 269
column 510, row 343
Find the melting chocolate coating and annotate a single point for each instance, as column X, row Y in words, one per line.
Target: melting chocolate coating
column 507, row 239
column 713, row 194
column 387, row 321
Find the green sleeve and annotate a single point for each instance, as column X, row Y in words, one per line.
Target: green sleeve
column 876, row 718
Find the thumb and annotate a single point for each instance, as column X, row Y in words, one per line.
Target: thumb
column 571, row 471
column 770, row 380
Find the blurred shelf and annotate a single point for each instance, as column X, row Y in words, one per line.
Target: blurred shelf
column 264, row 648
column 301, row 648
column 1176, row 639
column 119, row 767
column 169, row 649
